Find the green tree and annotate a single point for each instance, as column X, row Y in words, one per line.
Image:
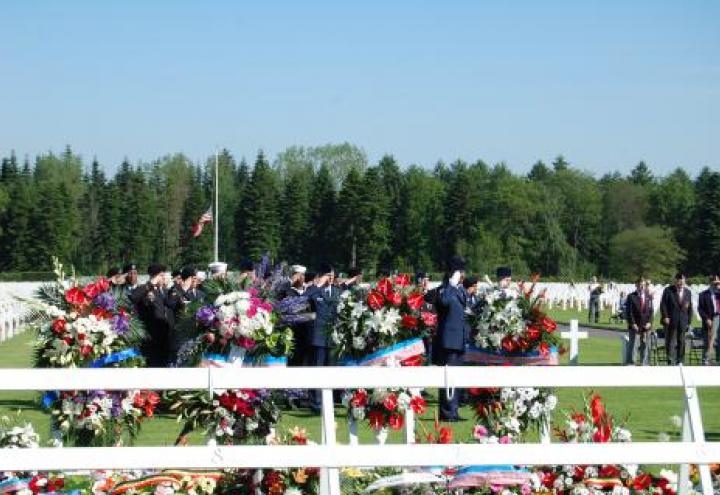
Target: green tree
column 295, row 213
column 350, row 222
column 262, row 227
column 322, row 235
column 646, row 251
column 706, row 241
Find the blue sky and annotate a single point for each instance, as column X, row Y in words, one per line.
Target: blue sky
column 605, row 83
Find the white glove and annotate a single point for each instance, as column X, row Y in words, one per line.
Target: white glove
column 455, row 279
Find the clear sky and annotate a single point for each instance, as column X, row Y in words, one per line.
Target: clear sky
column 605, row 83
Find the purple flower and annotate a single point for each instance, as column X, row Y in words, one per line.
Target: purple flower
column 120, row 324
column 105, row 301
column 206, row 315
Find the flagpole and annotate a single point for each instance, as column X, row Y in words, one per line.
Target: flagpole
column 216, row 219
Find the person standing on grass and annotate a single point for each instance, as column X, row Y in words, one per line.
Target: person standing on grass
column 676, row 312
column 594, row 303
column 639, row 314
column 709, row 310
column 452, row 334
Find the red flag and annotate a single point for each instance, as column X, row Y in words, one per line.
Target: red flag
column 206, row 217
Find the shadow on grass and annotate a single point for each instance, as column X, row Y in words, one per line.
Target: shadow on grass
column 21, row 404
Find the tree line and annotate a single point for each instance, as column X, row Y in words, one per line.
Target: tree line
column 327, row 203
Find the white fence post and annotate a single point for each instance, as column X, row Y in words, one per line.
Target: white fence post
column 329, row 477
column 693, row 431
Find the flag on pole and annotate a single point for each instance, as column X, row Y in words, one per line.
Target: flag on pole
column 206, row 217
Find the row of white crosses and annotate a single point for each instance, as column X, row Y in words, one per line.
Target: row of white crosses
column 11, row 319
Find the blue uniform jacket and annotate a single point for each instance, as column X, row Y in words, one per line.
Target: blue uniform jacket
column 453, row 331
column 325, row 308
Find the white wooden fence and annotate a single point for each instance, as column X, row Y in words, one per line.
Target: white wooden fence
column 330, row 456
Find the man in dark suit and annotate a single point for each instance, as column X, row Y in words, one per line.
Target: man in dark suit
column 151, row 302
column 709, row 310
column 676, row 312
column 452, row 334
column 323, row 297
column 639, row 314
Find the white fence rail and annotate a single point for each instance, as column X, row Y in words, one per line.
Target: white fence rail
column 693, row 449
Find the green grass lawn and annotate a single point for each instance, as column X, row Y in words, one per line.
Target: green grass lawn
column 565, row 315
column 648, row 411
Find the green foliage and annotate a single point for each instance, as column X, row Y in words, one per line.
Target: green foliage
column 644, row 251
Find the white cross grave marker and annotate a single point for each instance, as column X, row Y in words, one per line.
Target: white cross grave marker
column 574, row 335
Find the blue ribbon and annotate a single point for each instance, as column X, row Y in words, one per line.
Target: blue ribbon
column 115, row 357
column 380, row 353
column 48, row 398
column 215, row 357
column 472, row 348
column 12, row 484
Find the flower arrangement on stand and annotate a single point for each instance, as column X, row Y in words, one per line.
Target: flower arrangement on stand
column 87, row 326
column 383, row 409
column 512, row 327
column 596, row 425
column 237, row 328
column 506, row 415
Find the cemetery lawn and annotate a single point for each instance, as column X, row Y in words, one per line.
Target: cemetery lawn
column 648, row 411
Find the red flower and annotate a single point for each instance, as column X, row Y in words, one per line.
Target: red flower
column 102, row 285
column 209, row 338
column 533, row 332
column 85, row 350
column 509, row 345
column 412, row 361
column 544, row 348
column 395, row 298
column 415, row 301
column 603, row 433
column 390, row 402
column 101, row 314
column 445, row 435
column 418, row 405
column 409, row 321
column 523, row 344
column 385, row 286
column 597, row 408
column 58, row 326
column 375, row 300
column 396, row 421
column 359, row 398
column 376, row 419
column 609, row 471
column 548, row 324
column 91, row 290
column 642, row 482
column 75, row 296
column 402, row 280
column 428, row 318
column 548, row 479
column 579, row 473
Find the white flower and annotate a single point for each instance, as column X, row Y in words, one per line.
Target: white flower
column 623, row 435
column 676, row 421
column 550, row 402
column 663, row 437
column 669, row 475
column 293, row 491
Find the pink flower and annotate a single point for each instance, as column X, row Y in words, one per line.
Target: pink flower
column 253, row 292
column 479, row 432
column 525, row 489
column 251, row 312
column 505, row 439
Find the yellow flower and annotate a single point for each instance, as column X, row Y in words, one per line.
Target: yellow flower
column 300, row 477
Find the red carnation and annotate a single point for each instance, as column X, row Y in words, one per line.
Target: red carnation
column 395, row 298
column 415, row 301
column 390, row 402
column 85, row 350
column 445, row 435
column 58, row 326
column 579, row 473
column 533, row 332
column 75, row 296
column 396, row 421
column 402, row 280
column 375, row 300
column 101, row 314
column 91, row 290
column 385, row 286
column 523, row 344
column 508, row 344
column 359, row 398
column 609, row 472
column 544, row 348
column 548, row 324
column 418, row 405
column 102, row 285
column 548, row 479
column 642, row 482
column 429, row 319
column 409, row 321
column 376, row 420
